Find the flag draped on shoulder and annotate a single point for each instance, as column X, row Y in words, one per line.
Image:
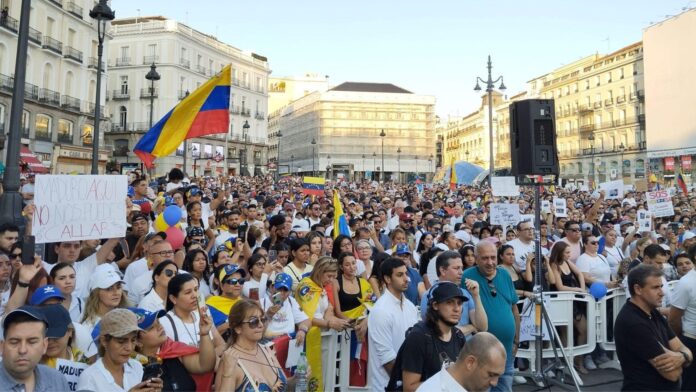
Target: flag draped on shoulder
column 340, row 225
column 204, row 112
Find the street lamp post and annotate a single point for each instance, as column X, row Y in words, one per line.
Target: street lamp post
column 591, row 138
column 430, row 164
column 102, row 14
column 186, row 94
column 416, row 167
column 245, row 136
column 382, row 135
column 490, row 85
column 314, row 143
column 280, row 135
column 363, row 166
column 374, row 164
column 11, row 199
column 292, row 163
column 328, row 167
column 622, row 148
column 152, row 76
column 398, row 162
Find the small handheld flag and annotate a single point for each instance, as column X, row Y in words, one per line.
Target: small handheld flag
column 313, row 186
column 682, row 183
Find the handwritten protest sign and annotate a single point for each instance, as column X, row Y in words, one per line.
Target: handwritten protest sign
column 560, row 207
column 504, row 214
column 71, row 371
column 613, row 189
column 527, row 327
column 504, row 186
column 644, row 221
column 545, row 206
column 660, row 203
column 75, row 208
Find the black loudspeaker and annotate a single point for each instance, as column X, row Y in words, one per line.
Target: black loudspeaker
column 533, row 138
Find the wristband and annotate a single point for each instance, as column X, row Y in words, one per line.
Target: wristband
column 687, row 362
column 302, row 330
column 22, row 284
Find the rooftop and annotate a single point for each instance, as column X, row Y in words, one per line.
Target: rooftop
column 370, row 88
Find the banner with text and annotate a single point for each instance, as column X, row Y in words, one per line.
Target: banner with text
column 660, row 203
column 76, row 208
column 504, row 214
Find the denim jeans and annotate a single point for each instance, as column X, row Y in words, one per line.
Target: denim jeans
column 505, row 381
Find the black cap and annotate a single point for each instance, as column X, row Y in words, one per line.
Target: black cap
column 442, row 291
column 150, row 236
column 34, row 312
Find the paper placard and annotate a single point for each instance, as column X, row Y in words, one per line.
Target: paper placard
column 293, row 354
column 644, row 221
column 76, row 208
column 504, row 214
column 560, row 208
column 71, row 371
column 613, row 189
column 527, row 218
column 641, row 186
column 545, row 206
column 527, row 327
column 660, row 203
column 504, row 186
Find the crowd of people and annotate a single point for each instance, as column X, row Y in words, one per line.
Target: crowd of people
column 421, row 284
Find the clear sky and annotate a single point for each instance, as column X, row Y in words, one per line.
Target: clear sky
column 435, row 47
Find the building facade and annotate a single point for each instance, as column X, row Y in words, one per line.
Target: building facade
column 185, row 59
column 345, row 124
column 60, row 89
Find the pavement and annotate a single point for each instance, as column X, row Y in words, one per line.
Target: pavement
column 596, row 380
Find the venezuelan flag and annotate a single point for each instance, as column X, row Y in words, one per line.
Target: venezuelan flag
column 313, row 186
column 340, row 225
column 203, row 112
column 681, row 182
column 453, row 176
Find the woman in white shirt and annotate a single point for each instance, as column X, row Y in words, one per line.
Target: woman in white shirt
column 196, row 263
column 612, row 252
column 63, row 275
column 106, row 293
column 156, row 297
column 259, row 272
column 115, row 371
column 595, row 267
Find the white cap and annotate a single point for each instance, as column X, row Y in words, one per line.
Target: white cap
column 104, row 276
column 300, row 225
column 688, row 235
column 462, row 236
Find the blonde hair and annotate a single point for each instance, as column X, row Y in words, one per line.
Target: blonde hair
column 323, row 264
column 92, row 306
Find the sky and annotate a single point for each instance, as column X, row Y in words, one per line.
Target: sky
column 433, row 48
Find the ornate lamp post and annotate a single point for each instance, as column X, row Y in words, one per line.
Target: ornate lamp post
column 314, row 143
column 398, row 162
column 490, row 85
column 280, row 135
column 382, row 135
column 245, row 137
column 591, row 138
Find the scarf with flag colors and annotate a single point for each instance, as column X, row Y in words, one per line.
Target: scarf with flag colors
column 358, row 350
column 204, row 112
column 313, row 186
column 308, row 295
column 340, row 225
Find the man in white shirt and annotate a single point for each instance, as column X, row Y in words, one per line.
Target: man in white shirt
column 139, row 267
column 392, row 315
column 159, row 251
column 480, row 364
column 524, row 244
column 682, row 319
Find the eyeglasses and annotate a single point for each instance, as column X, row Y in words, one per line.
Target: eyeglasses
column 233, row 281
column 593, row 242
column 15, row 256
column 437, row 228
column 491, row 287
column 256, row 322
column 574, row 229
column 169, row 273
column 164, row 253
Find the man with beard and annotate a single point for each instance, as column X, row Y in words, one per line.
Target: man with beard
column 229, row 228
column 9, row 234
column 432, row 343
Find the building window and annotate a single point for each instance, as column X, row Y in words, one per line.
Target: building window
column 621, row 73
column 124, row 84
column 2, row 118
column 597, row 80
column 42, row 127
column 124, row 53
column 25, row 124
column 65, row 131
column 587, row 84
column 86, row 136
column 121, row 147
column 123, row 117
column 208, row 151
column 195, row 150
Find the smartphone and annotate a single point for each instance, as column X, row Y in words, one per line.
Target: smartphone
column 28, row 250
column 272, row 255
column 152, row 370
column 277, row 299
column 242, row 232
column 674, row 226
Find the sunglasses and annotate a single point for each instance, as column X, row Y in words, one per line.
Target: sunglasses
column 233, row 281
column 169, row 273
column 491, row 287
column 16, row 256
column 256, row 322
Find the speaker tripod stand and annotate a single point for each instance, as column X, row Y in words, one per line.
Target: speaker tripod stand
column 559, row 364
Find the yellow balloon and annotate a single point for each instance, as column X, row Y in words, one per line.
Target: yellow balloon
column 160, row 224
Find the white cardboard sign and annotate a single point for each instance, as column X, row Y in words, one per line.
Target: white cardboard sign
column 505, row 186
column 660, row 203
column 613, row 189
column 71, row 371
column 75, row 208
column 560, row 207
column 504, row 214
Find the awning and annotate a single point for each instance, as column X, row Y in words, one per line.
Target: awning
column 33, row 163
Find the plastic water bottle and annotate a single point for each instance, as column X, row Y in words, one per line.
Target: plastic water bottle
column 301, row 373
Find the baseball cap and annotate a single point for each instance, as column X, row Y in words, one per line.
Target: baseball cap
column 58, row 320
column 34, row 312
column 168, row 201
column 253, row 202
column 138, row 216
column 442, row 291
column 405, row 217
column 228, row 270
column 283, row 280
column 150, row 236
column 44, row 293
column 688, row 235
column 104, row 276
column 450, row 200
column 402, row 249
column 586, row 226
column 145, row 317
column 300, row 225
column 118, row 323
column 194, row 191
column 462, row 236
column 626, row 222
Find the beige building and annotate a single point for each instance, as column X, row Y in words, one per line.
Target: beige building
column 60, row 87
column 185, row 59
column 346, row 122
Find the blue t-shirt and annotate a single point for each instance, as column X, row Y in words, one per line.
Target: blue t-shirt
column 468, row 306
column 412, row 291
column 501, row 322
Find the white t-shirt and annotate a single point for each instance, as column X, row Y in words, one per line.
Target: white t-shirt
column 286, row 318
column 171, row 186
column 222, row 237
column 134, row 270
column 614, row 257
column 77, row 308
column 441, row 381
column 597, row 266
column 257, row 287
column 97, row 378
column 152, row 302
column 684, row 298
column 83, row 272
column 140, row 287
column 522, row 250
column 186, row 333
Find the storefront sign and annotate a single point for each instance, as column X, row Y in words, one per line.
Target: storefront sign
column 669, row 164
column 685, row 162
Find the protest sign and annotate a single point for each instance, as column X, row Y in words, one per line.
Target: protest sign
column 76, row 208
column 613, row 189
column 644, row 221
column 560, row 207
column 527, row 218
column 504, row 214
column 505, row 186
column 660, row 203
column 527, row 326
column 71, row 371
column 545, row 206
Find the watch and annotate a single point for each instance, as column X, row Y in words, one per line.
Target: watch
column 22, row 284
column 687, row 360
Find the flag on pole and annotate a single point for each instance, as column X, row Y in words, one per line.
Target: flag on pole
column 453, row 176
column 681, row 182
column 340, row 225
column 204, row 112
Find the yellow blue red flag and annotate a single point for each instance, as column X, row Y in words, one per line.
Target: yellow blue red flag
column 313, row 186
column 203, row 112
column 340, row 225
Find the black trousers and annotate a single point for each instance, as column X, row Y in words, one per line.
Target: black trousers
column 689, row 374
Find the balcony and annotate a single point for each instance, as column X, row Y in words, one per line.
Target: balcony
column 65, row 138
column 608, row 102
column 70, row 103
column 182, row 94
column 201, row 70
column 25, row 132
column 234, row 110
column 88, row 108
column 9, row 23
column 72, row 54
column 42, row 135
column 74, row 9
column 35, row 36
column 147, row 60
column 49, row 97
column 52, row 44
column 185, row 63
column 122, row 62
column 92, row 63
column 589, row 151
column 582, row 109
column 141, row 126
column 31, row 92
column 259, row 116
column 621, row 99
column 641, row 95
column 146, row 92
column 120, row 95
column 6, row 83
column 597, row 105
column 587, row 128
column 59, row 3
column 246, row 112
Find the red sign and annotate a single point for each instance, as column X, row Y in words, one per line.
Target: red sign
column 686, row 162
column 669, row 163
